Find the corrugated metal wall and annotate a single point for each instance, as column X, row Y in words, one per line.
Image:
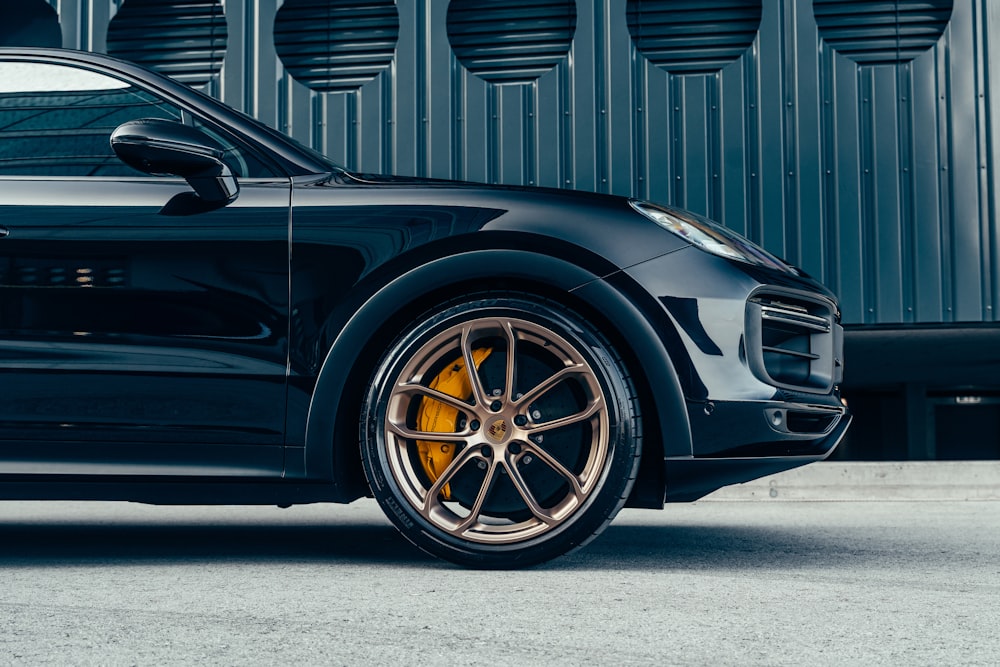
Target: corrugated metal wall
column 857, row 139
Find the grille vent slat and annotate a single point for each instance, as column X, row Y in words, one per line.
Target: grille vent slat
column 791, row 353
column 796, row 319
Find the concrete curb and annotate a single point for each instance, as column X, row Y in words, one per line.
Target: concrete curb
column 885, row 481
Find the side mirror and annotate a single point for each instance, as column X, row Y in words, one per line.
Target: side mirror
column 165, row 147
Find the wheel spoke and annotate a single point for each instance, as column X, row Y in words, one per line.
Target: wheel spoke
column 556, row 466
column 446, row 475
column 413, row 434
column 414, row 389
column 586, row 414
column 511, row 337
column 478, row 393
column 543, row 387
column 525, row 492
column 477, row 507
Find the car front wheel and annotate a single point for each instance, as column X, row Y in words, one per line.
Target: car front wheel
column 501, row 431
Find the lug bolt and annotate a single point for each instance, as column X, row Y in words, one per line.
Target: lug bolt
column 514, row 448
column 475, row 425
column 495, row 406
column 486, row 451
column 520, row 420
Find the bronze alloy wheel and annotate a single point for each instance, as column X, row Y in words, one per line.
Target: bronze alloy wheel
column 508, row 464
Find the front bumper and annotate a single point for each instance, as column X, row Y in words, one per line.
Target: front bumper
column 690, row 478
column 759, row 355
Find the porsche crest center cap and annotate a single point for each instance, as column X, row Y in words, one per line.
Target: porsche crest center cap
column 497, row 431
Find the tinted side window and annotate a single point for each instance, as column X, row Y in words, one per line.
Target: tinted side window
column 56, row 120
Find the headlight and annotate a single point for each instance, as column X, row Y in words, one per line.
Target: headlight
column 710, row 236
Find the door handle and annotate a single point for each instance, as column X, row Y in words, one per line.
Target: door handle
column 4, row 232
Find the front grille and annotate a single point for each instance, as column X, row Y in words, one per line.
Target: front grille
column 793, row 342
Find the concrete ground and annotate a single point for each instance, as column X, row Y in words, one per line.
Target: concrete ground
column 905, row 579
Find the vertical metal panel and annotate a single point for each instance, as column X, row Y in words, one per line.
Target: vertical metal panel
column 586, row 81
column 991, row 158
column 477, row 131
column 549, row 131
column 84, row 23
column 407, row 147
column 771, row 99
column 811, row 240
column 617, row 112
column 438, row 102
column 963, row 166
column 986, row 217
column 656, row 141
column 842, row 157
column 737, row 137
column 927, row 197
column 878, row 107
column 858, row 139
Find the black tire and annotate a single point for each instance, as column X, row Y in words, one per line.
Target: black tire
column 534, row 463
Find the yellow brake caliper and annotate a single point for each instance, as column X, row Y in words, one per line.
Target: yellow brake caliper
column 437, row 417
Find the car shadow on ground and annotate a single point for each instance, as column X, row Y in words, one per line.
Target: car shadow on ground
column 725, row 547
column 653, row 547
column 83, row 542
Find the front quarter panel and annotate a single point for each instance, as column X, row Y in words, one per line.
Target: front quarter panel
column 351, row 239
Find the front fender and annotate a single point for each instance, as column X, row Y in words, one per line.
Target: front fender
column 331, row 438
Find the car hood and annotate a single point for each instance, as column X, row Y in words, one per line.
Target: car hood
column 551, row 220
column 603, row 224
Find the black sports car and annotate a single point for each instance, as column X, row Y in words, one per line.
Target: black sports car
column 196, row 309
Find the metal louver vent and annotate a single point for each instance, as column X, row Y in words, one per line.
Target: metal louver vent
column 881, row 32
column 336, row 45
column 792, row 342
column 693, row 36
column 511, row 41
column 185, row 39
column 29, row 23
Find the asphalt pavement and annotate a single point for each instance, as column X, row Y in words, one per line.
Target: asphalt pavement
column 717, row 582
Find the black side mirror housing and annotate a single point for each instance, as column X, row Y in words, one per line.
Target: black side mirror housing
column 162, row 147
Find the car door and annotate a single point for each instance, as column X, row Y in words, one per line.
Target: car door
column 140, row 333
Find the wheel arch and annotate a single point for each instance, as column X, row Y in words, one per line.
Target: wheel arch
column 331, row 441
